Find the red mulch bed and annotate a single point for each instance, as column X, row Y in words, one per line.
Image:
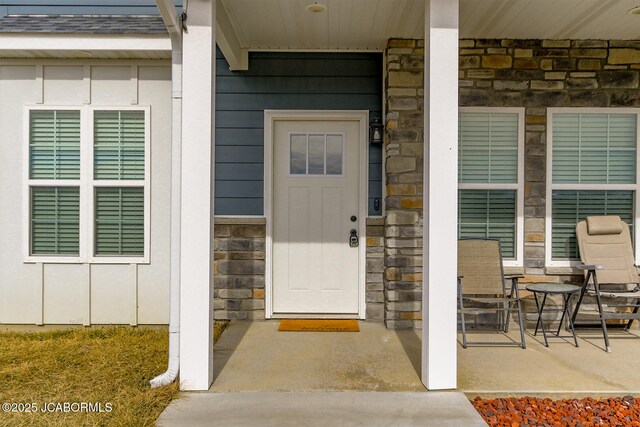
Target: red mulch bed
column 529, row 411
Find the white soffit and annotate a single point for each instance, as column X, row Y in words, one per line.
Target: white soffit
column 549, row 19
column 346, row 24
column 367, row 24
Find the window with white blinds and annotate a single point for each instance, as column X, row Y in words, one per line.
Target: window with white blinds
column 55, row 220
column 490, row 174
column 593, row 171
column 489, row 213
column 119, row 221
column 119, row 141
column 488, row 148
column 88, row 184
column 54, row 144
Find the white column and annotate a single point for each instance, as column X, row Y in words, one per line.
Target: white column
column 439, row 311
column 196, row 269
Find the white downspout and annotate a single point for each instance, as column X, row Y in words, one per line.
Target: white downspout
column 175, row 33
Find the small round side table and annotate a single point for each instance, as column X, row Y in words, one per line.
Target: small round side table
column 545, row 289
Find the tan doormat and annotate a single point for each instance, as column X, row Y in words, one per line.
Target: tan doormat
column 313, row 325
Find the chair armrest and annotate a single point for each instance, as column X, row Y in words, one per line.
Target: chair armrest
column 591, row 267
column 513, row 276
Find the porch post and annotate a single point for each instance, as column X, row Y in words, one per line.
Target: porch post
column 439, row 311
column 196, row 294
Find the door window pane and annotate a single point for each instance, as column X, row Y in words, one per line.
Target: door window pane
column 298, row 155
column 316, row 154
column 334, row 154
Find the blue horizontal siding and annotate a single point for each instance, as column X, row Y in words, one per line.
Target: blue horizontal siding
column 75, row 7
column 231, row 205
column 291, row 81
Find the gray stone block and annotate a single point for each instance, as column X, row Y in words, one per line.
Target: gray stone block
column 375, row 312
column 618, row 79
column 234, row 293
column 234, row 282
column 375, row 265
column 240, row 267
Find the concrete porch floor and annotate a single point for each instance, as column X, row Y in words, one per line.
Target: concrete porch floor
column 254, row 356
column 558, row 371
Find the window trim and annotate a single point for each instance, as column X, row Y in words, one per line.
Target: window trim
column 550, row 187
column 87, row 185
column 518, row 261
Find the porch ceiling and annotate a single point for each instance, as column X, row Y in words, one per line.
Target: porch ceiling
column 367, row 24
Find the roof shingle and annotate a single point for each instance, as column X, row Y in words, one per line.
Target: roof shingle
column 96, row 24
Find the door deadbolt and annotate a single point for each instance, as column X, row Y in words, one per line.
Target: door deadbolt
column 354, row 218
column 353, row 238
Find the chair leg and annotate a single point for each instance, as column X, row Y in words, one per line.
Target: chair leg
column 520, row 320
column 635, row 311
column 462, row 322
column 602, row 319
column 506, row 314
column 582, row 292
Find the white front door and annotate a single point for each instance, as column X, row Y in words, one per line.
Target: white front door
column 315, row 207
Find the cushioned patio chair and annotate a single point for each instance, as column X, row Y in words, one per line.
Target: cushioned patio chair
column 481, row 282
column 610, row 272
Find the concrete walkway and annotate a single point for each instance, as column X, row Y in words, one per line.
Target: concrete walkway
column 321, row 409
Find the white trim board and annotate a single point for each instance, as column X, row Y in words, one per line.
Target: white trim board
column 84, row 42
column 270, row 116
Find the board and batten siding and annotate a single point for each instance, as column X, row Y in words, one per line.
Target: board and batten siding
column 85, row 7
column 285, row 81
column 54, row 293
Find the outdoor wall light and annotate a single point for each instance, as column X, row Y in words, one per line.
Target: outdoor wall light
column 376, row 132
column 316, row 7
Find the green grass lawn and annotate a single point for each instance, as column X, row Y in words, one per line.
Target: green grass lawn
column 109, row 366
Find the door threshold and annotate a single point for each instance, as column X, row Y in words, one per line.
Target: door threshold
column 315, row 316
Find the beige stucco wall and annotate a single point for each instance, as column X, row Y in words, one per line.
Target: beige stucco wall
column 34, row 293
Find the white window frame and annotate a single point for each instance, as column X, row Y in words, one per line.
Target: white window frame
column 518, row 261
column 549, row 262
column 87, row 185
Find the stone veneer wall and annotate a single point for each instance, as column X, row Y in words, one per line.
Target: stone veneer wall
column 535, row 74
column 375, row 269
column 239, row 265
column 403, row 171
